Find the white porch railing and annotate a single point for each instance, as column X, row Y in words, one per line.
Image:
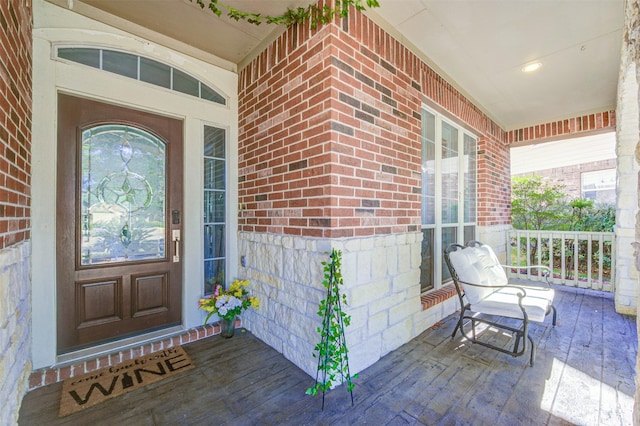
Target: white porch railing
column 576, row 259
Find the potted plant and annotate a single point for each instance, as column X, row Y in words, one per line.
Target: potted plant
column 228, row 304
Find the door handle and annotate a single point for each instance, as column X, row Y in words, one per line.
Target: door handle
column 175, row 236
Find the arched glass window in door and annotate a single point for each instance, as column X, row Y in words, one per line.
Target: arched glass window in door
column 123, row 171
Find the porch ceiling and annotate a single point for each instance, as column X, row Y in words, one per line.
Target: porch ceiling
column 479, row 46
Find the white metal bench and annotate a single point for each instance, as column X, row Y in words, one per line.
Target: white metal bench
column 483, row 288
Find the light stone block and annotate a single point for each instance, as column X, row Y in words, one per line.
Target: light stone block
column 364, row 267
column 396, row 335
column 404, row 258
column 379, row 267
column 377, row 323
column 406, row 309
column 364, row 354
column 367, row 293
column 15, row 328
column 406, row 280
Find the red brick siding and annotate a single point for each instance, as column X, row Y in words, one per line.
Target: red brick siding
column 494, row 183
column 564, row 128
column 571, row 176
column 329, row 134
column 15, row 121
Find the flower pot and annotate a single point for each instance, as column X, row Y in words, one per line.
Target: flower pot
column 227, row 327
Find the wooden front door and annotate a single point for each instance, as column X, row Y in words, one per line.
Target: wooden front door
column 118, row 223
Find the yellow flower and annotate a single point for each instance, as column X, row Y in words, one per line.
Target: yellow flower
column 255, row 303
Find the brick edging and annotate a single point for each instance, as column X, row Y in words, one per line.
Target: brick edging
column 433, row 298
column 50, row 375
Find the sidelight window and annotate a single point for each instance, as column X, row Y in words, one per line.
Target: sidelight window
column 214, row 207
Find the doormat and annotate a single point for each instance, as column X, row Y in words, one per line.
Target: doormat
column 87, row 390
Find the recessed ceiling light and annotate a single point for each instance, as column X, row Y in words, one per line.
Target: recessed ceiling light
column 532, row 67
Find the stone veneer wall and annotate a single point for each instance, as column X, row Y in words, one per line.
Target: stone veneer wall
column 15, row 200
column 381, row 282
column 15, row 329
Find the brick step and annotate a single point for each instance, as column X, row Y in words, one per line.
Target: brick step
column 58, row 373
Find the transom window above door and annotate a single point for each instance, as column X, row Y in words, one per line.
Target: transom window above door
column 142, row 69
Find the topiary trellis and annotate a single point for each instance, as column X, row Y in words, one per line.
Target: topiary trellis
column 332, row 352
column 315, row 14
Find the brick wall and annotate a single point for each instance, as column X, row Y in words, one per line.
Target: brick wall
column 329, row 135
column 564, row 128
column 15, row 172
column 15, row 121
column 571, row 176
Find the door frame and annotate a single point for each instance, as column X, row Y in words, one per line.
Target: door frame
column 51, row 76
column 75, row 114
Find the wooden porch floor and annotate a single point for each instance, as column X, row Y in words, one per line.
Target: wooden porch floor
column 584, row 374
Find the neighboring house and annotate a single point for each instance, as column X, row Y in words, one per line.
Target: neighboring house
column 586, row 166
column 339, row 137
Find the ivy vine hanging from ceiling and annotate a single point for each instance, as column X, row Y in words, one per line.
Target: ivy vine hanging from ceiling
column 315, row 14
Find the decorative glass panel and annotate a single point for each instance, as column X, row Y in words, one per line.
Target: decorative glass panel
column 214, row 196
column 123, row 195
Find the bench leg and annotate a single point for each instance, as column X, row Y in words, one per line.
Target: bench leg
column 459, row 324
column 533, row 351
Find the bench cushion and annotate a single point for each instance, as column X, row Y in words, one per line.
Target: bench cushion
column 480, row 266
column 504, row 302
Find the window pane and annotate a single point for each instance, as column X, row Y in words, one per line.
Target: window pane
column 213, row 174
column 120, row 63
column 470, row 179
column 80, row 55
column 449, row 174
column 185, row 83
column 214, row 142
column 428, row 169
column 426, row 265
column 213, row 206
column 214, row 241
column 469, row 233
column 211, row 95
column 155, row 73
column 213, row 275
column 449, row 236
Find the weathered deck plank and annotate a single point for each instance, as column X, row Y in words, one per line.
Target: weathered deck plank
column 583, row 375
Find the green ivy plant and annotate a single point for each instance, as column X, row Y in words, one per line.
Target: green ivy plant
column 316, row 15
column 332, row 352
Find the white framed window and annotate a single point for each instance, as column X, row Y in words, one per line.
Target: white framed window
column 599, row 186
column 449, row 193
